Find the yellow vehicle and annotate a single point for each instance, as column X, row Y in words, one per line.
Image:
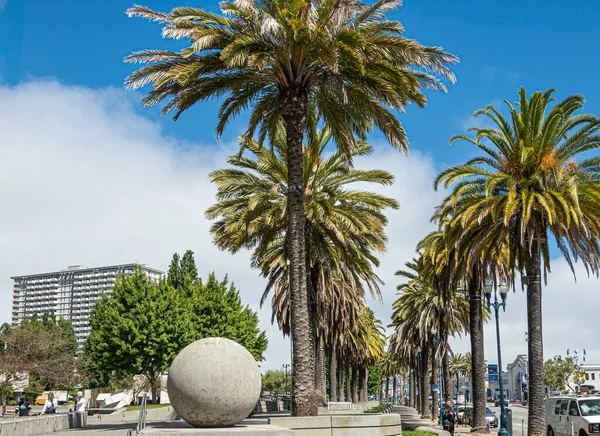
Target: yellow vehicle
column 41, row 399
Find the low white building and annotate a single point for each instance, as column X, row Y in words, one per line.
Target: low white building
column 592, row 377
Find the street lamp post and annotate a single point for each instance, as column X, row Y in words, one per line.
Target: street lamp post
column 435, row 342
column 286, row 366
column 503, row 288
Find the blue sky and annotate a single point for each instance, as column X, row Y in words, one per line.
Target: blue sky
column 95, row 179
column 501, row 44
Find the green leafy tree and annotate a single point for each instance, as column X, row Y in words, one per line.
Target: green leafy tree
column 286, row 61
column 174, row 275
column 275, row 381
column 139, row 329
column 188, row 266
column 558, row 371
column 374, row 380
column 217, row 311
column 532, row 186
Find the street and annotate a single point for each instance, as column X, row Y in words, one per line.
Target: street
column 519, row 419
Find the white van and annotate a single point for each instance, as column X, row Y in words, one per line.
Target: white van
column 577, row 416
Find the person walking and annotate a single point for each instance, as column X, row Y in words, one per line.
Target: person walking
column 79, row 403
column 448, row 417
column 50, row 405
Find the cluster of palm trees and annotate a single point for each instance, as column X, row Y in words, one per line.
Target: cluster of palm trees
column 344, row 230
column 531, row 187
column 303, row 73
column 306, row 74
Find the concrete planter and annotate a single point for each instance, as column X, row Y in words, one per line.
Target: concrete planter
column 342, row 425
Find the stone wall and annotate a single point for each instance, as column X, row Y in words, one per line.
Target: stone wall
column 342, row 425
column 34, row 425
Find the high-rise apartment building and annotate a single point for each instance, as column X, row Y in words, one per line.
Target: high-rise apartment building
column 69, row 293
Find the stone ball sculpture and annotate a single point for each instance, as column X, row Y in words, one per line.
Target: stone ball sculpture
column 214, row 382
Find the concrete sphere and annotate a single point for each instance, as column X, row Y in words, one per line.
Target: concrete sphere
column 214, row 382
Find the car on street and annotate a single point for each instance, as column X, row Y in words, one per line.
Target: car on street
column 567, row 415
column 460, row 412
column 467, row 417
column 491, row 418
column 497, row 402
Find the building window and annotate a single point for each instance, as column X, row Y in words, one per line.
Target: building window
column 593, row 376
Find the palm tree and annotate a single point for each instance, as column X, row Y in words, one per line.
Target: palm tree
column 286, row 60
column 457, row 367
column 444, row 263
column 421, row 307
column 344, row 229
column 529, row 186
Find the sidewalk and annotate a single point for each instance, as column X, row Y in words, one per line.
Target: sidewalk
column 411, row 420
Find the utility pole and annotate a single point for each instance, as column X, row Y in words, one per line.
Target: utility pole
column 286, row 366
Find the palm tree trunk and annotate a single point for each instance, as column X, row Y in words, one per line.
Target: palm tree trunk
column 413, row 390
column 348, row 383
column 477, row 356
column 361, row 383
column 354, row 385
column 435, row 379
column 381, row 394
column 457, row 384
column 332, row 372
column 293, row 106
column 312, row 313
column 402, row 381
column 424, row 387
column 320, row 369
column 446, row 375
column 386, row 395
column 366, row 385
column 536, row 422
column 418, row 385
column 395, row 394
column 341, row 380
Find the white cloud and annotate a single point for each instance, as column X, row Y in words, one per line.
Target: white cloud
column 87, row 180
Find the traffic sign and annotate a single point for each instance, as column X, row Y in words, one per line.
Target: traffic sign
column 493, row 377
column 436, row 388
column 492, row 369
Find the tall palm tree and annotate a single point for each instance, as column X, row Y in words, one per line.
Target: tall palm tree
column 529, row 188
column 286, row 60
column 444, row 264
column 344, row 230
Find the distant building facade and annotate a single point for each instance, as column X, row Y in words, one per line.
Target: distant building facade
column 515, row 379
column 69, row 293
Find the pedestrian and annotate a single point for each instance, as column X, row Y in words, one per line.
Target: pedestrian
column 448, row 417
column 51, row 405
column 79, row 403
column 23, row 407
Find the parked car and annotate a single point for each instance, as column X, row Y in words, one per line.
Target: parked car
column 491, row 418
column 497, row 402
column 572, row 415
column 467, row 416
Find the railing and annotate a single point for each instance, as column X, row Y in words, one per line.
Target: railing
column 141, row 424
